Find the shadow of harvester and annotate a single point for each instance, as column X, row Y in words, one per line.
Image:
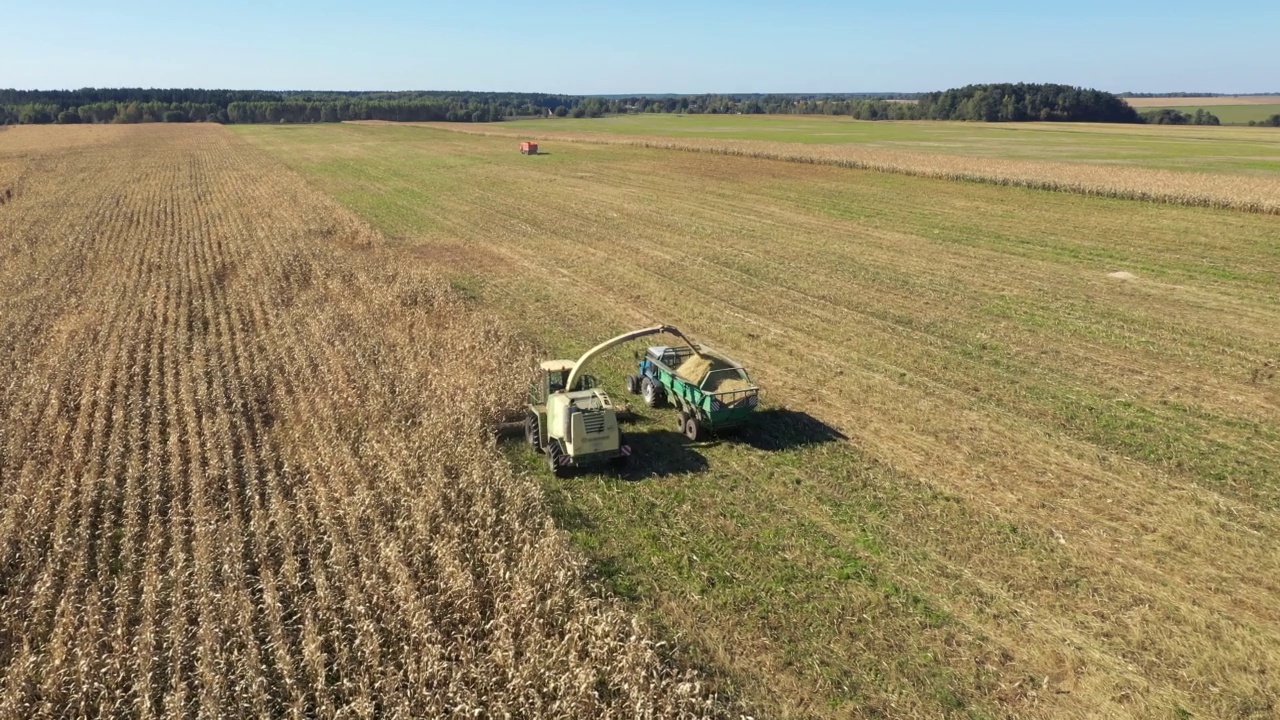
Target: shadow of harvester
column 664, row 453
column 655, row 453
column 660, row 453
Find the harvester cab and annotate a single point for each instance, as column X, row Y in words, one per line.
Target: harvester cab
column 570, row 418
column 554, row 378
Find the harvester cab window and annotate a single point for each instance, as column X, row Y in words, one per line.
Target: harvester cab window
column 556, row 381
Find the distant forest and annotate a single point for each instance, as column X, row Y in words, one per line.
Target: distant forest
column 1023, row 102
column 987, row 103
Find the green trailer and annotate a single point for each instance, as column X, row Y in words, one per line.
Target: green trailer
column 700, row 407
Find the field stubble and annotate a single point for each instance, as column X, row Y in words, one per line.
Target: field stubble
column 1083, row 471
column 247, row 468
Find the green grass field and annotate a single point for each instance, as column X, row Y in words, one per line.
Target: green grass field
column 1230, row 114
column 989, row 480
column 1221, row 149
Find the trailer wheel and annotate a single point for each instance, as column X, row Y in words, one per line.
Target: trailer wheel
column 692, row 429
column 633, row 384
column 532, row 434
column 652, row 392
column 554, row 455
column 680, row 420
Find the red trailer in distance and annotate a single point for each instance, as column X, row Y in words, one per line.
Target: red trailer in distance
column 528, row 148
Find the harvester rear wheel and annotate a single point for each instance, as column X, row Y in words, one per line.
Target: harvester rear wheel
column 532, row 434
column 692, row 429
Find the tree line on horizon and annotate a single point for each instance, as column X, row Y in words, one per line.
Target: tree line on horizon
column 1007, row 102
column 1194, row 94
column 1170, row 116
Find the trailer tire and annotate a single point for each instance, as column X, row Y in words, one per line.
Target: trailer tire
column 554, row 453
column 692, row 429
column 680, row 420
column 532, row 433
column 652, row 392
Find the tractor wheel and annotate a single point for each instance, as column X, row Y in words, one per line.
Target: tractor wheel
column 652, row 392
column 692, row 429
column 554, row 453
column 633, row 384
column 532, row 434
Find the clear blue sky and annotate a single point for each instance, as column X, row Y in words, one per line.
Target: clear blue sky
column 651, row 47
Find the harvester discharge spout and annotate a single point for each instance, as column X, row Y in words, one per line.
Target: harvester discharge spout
column 625, row 337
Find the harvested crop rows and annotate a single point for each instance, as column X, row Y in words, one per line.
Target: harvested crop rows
column 247, row 469
column 1081, row 503
column 1252, row 194
column 1231, row 150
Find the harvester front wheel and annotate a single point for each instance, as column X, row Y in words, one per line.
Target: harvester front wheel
column 652, row 393
column 554, row 453
column 532, row 434
column 692, row 429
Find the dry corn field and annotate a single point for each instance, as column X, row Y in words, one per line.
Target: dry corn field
column 1058, row 496
column 1259, row 194
column 247, row 465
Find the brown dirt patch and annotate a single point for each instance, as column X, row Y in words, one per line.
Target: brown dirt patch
column 457, row 256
